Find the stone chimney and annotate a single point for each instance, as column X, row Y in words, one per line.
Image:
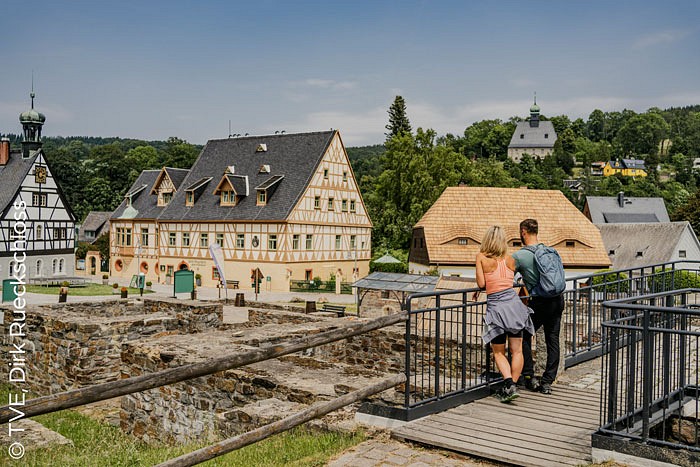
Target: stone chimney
column 621, row 199
column 4, row 151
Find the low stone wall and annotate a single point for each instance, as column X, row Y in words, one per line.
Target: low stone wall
column 79, row 344
column 227, row 402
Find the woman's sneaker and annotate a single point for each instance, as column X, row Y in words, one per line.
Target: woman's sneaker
column 507, row 394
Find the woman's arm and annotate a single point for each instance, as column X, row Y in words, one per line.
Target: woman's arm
column 480, row 279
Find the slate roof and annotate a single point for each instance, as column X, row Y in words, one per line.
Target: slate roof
column 637, row 245
column 11, row 177
column 145, row 203
column 176, row 175
column 96, row 221
column 533, row 137
column 467, row 212
column 607, row 209
column 628, row 164
column 296, row 156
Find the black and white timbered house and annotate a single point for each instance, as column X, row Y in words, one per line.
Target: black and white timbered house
column 37, row 227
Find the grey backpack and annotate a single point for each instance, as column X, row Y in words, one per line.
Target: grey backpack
column 552, row 280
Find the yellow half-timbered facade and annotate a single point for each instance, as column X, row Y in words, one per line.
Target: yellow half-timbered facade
column 286, row 204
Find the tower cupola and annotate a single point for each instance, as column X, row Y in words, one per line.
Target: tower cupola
column 534, row 114
column 32, row 122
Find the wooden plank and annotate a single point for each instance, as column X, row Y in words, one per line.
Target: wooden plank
column 486, row 423
column 499, row 450
column 534, row 414
column 534, row 430
column 502, row 432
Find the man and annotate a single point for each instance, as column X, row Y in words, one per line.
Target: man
column 548, row 311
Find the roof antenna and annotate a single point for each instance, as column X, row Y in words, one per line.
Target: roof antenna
column 229, row 129
column 32, row 93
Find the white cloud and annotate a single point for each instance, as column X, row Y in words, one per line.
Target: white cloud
column 328, row 84
column 660, row 37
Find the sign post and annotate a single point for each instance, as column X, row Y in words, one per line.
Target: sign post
column 217, row 255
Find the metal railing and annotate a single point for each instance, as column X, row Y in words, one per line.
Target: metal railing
column 447, row 364
column 583, row 315
column 650, row 375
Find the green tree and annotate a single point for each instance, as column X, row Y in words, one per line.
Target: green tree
column 689, row 211
column 416, row 171
column 641, row 135
column 398, row 119
column 179, row 154
column 595, row 126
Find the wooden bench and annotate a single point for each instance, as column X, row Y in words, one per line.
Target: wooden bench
column 233, row 284
column 340, row 309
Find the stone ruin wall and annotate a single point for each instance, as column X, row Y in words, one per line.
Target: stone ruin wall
column 76, row 345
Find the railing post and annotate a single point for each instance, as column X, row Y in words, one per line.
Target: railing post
column 437, row 346
column 666, row 357
column 612, row 374
column 589, row 342
column 407, row 389
column 682, row 344
column 574, row 319
column 464, row 341
column 647, row 383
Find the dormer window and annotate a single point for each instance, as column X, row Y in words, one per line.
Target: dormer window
column 546, row 135
column 189, row 201
column 462, row 241
column 167, row 197
column 570, row 244
column 522, row 136
column 228, row 198
column 264, row 169
column 266, row 189
column 262, row 147
column 262, row 198
column 516, row 243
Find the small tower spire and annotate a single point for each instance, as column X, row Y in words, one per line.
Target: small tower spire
column 32, row 122
column 535, row 113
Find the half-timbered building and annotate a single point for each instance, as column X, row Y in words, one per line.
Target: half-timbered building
column 287, row 204
column 37, row 227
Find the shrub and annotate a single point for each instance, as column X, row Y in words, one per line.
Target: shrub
column 675, row 280
column 616, row 281
column 389, row 267
column 149, row 283
column 64, row 284
column 105, row 276
column 115, row 286
column 197, row 276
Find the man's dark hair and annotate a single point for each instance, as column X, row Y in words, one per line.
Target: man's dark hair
column 529, row 226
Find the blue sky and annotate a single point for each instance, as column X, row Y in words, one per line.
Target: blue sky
column 154, row 69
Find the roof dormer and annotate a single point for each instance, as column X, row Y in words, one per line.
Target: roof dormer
column 194, row 191
column 231, row 189
column 266, row 189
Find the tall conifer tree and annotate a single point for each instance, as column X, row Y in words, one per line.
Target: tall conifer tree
column 398, row 120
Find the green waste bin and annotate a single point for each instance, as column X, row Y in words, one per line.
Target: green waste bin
column 8, row 290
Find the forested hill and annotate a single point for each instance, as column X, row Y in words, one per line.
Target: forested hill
column 403, row 177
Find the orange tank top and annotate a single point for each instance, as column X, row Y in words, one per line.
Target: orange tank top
column 500, row 278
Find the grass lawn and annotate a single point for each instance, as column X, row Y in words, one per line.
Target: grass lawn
column 90, row 289
column 100, row 444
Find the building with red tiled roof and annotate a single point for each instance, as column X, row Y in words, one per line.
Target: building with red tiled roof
column 449, row 234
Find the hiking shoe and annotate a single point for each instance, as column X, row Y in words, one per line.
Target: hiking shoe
column 531, row 383
column 507, row 394
column 546, row 388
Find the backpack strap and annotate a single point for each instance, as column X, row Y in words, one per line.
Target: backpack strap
column 532, row 248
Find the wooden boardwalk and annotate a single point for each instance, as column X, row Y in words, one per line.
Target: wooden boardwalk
column 533, row 430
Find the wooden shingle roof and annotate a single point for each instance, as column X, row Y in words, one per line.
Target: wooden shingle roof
column 467, row 212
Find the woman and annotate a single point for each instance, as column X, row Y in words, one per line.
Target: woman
column 506, row 315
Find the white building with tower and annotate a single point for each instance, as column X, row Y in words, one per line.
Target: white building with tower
column 37, row 227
